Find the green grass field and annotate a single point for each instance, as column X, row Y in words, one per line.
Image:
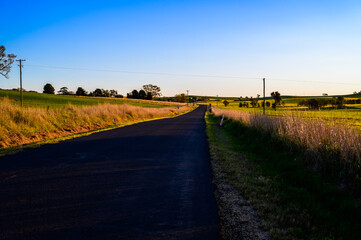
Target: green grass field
column 56, row 101
column 350, row 115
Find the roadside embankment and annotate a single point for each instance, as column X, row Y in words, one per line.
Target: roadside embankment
column 25, row 125
column 334, row 150
column 277, row 182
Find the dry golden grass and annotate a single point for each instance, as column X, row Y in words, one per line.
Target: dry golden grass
column 335, row 146
column 30, row 124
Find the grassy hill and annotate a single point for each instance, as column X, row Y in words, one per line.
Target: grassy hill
column 56, row 101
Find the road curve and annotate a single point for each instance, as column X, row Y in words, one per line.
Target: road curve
column 150, row 180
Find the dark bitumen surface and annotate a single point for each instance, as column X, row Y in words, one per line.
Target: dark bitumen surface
column 146, row 181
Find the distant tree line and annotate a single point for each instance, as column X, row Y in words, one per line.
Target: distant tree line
column 148, row 92
column 49, row 89
column 336, row 102
column 254, row 102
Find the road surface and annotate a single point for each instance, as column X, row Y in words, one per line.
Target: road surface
column 145, row 181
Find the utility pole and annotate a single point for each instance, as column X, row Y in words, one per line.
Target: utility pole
column 187, row 97
column 264, row 96
column 21, row 81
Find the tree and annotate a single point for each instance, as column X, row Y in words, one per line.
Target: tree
column 277, row 97
column 226, row 103
column 142, row 94
column 98, row 92
column 49, row 89
column 113, row 93
column 254, row 102
column 106, row 93
column 149, row 96
column 81, row 92
column 340, row 102
column 240, row 104
column 153, row 90
column 5, row 62
column 181, row 98
column 63, row 91
column 135, row 94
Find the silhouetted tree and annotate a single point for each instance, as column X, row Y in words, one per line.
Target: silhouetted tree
column 113, row 93
column 81, row 92
column 149, row 96
column 63, row 91
column 135, row 94
column 106, row 93
column 254, row 102
column 5, row 62
column 226, row 103
column 49, row 89
column 240, row 104
column 153, row 90
column 98, row 92
column 142, row 94
column 277, row 97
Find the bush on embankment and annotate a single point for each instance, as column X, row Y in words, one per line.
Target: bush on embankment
column 30, row 124
column 333, row 150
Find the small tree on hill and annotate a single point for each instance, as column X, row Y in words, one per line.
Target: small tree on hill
column 98, row 92
column 63, row 91
column 142, row 94
column 153, row 90
column 277, row 97
column 149, row 96
column 135, row 94
column 113, row 92
column 226, row 103
column 49, row 89
column 81, row 92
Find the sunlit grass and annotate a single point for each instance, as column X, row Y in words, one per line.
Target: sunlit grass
column 22, row 125
column 335, row 147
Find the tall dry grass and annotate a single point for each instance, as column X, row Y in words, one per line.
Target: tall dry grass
column 334, row 147
column 29, row 124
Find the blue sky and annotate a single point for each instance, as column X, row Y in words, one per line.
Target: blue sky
column 301, row 47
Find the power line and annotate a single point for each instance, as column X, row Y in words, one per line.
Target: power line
column 187, row 75
column 135, row 72
column 307, row 81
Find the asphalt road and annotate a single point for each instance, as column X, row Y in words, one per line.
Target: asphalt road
column 145, row 181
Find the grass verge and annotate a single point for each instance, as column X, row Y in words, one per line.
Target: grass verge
column 31, row 127
column 294, row 201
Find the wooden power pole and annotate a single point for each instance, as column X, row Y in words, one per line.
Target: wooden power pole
column 21, row 80
column 264, row 96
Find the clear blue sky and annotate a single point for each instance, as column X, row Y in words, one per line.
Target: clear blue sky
column 311, row 41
